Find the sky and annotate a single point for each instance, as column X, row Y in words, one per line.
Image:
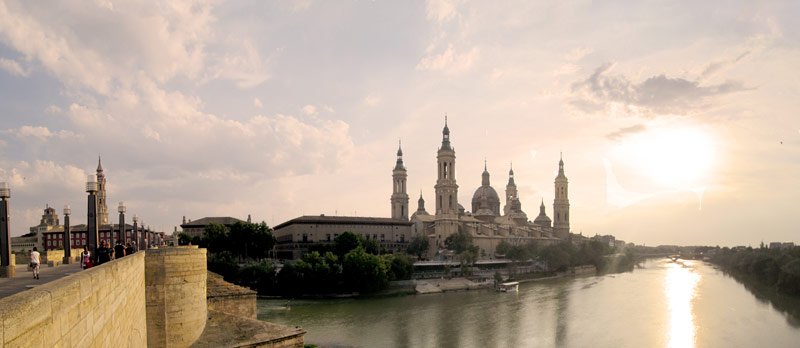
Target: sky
column 677, row 120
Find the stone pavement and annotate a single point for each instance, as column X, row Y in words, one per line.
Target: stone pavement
column 24, row 278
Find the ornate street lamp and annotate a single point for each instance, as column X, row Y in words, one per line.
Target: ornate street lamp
column 121, row 209
column 67, row 238
column 6, row 269
column 92, row 235
column 135, row 235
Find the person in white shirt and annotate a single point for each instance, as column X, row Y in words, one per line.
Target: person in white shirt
column 35, row 263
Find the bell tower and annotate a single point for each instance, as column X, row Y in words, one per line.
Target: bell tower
column 102, row 207
column 511, row 191
column 446, row 220
column 399, row 195
column 561, row 203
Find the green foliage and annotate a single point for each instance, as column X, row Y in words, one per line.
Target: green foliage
column 345, row 242
column 260, row 277
column 458, row 242
column 363, row 272
column 418, row 246
column 244, row 240
column 401, row 267
column 779, row 268
column 184, row 239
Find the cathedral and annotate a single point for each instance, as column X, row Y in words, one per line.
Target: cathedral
column 486, row 223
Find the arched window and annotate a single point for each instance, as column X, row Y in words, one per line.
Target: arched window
column 402, row 211
column 450, row 202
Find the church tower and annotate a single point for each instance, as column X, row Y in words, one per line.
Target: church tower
column 447, row 208
column 446, row 187
column 561, row 204
column 102, row 208
column 399, row 196
column 511, row 191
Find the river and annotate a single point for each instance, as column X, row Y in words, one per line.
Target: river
column 661, row 304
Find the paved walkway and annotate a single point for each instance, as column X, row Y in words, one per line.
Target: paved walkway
column 24, row 279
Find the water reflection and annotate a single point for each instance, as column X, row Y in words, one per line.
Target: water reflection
column 679, row 287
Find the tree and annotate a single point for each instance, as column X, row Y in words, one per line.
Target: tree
column 458, row 242
column 400, row 267
column 216, row 237
column 363, row 272
column 418, row 246
column 345, row 242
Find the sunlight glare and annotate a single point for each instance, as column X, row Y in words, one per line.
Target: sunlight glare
column 673, row 157
column 679, row 287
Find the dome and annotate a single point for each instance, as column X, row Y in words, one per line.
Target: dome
column 492, row 199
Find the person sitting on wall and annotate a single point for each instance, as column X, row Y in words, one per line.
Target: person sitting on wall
column 35, row 263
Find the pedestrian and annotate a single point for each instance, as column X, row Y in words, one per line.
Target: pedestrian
column 133, row 244
column 35, row 263
column 103, row 253
column 129, row 249
column 86, row 258
column 119, row 250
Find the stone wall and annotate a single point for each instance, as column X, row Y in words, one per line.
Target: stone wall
column 101, row 307
column 176, row 295
column 230, row 298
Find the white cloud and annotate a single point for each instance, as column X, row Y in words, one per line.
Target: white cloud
column 441, row 10
column 372, row 100
column 310, row 110
column 40, row 133
column 257, row 103
column 449, row 61
column 12, row 67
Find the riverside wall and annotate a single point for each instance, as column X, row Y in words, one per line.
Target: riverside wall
column 101, row 307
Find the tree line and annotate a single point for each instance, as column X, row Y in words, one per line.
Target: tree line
column 351, row 264
column 779, row 268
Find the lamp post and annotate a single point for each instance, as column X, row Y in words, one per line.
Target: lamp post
column 7, row 270
column 121, row 209
column 67, row 238
column 135, row 235
column 92, row 237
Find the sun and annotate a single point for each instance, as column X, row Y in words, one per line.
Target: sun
column 674, row 157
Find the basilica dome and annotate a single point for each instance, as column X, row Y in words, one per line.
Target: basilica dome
column 492, row 199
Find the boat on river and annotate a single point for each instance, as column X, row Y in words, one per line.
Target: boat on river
column 508, row 287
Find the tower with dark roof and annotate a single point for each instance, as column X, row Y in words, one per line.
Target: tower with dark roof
column 511, row 191
column 561, row 203
column 399, row 197
column 447, row 207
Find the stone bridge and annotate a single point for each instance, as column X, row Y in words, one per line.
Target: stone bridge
column 155, row 298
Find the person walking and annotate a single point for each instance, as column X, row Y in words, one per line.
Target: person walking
column 129, row 249
column 86, row 258
column 35, row 263
column 119, row 250
column 103, row 253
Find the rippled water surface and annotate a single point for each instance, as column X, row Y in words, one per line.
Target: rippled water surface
column 663, row 304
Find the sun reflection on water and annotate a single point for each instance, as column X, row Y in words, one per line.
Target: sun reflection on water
column 679, row 287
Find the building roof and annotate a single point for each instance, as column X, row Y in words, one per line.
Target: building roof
column 343, row 220
column 222, row 220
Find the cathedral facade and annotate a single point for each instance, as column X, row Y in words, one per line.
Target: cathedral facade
column 486, row 223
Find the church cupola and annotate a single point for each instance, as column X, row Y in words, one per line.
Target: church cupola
column 485, row 175
column 399, row 165
column 445, row 135
column 511, row 192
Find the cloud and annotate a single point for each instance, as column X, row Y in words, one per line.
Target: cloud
column 12, row 67
column 257, row 103
column 244, row 67
column 310, row 110
column 372, row 100
column 716, row 66
column 40, row 133
column 441, row 10
column 625, row 131
column 657, row 94
column 449, row 61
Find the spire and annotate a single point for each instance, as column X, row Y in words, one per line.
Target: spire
column 99, row 165
column 561, row 166
column 445, row 134
column 541, row 208
column 399, row 165
column 485, row 176
column 511, row 176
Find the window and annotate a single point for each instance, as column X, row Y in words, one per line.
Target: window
column 383, row 238
column 328, row 237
